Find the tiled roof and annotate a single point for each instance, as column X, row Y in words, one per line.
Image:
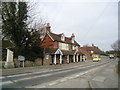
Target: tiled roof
column 68, row 52
column 50, row 50
column 88, row 49
column 84, row 52
column 57, row 37
column 65, row 52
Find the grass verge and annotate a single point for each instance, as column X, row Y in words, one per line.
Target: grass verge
column 118, row 67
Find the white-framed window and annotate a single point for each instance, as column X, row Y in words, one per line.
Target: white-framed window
column 73, row 47
column 47, row 56
column 77, row 48
column 60, row 45
column 73, row 39
column 63, row 38
column 67, row 48
column 92, row 51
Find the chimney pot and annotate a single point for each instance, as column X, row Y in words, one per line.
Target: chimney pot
column 48, row 27
column 73, row 35
column 48, row 24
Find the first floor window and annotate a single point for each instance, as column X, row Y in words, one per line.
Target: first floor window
column 60, row 45
column 73, row 48
column 77, row 48
column 67, row 47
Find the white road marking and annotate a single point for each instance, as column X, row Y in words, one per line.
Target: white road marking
column 2, row 77
column 25, row 74
column 62, row 80
column 48, row 70
column 48, row 74
column 33, row 77
column 55, row 73
column 53, row 83
column 6, row 82
column 66, row 78
column 99, row 78
column 19, row 75
column 77, row 75
column 44, row 71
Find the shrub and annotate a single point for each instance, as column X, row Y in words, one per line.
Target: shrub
column 16, row 63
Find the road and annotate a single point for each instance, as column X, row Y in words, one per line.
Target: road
column 50, row 77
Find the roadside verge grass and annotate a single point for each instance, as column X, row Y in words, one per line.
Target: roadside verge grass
column 118, row 67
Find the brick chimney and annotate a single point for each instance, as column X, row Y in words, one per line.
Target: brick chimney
column 72, row 38
column 92, row 45
column 48, row 27
column 72, row 35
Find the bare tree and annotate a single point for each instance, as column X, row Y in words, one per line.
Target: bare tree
column 35, row 20
column 23, row 29
column 116, row 45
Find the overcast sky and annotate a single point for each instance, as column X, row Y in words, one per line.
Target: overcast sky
column 91, row 22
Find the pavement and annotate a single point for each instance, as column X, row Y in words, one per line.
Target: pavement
column 106, row 77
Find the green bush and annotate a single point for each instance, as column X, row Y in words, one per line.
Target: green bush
column 16, row 63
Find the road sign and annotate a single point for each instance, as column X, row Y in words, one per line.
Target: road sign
column 21, row 58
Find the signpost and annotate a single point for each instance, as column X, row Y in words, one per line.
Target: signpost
column 21, row 58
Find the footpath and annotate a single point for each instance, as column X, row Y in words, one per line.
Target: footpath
column 13, row 71
column 102, row 77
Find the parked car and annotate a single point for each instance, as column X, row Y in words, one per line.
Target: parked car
column 96, row 59
column 111, row 56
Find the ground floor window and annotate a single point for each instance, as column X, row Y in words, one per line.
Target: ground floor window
column 47, row 56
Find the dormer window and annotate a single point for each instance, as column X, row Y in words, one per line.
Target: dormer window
column 73, row 39
column 62, row 37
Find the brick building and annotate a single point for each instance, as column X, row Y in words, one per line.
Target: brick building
column 59, row 49
column 90, row 51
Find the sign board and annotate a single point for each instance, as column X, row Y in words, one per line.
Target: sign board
column 21, row 58
column 9, row 56
column 9, row 61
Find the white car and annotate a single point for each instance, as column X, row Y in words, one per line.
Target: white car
column 111, row 56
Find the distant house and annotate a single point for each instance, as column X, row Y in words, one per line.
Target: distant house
column 59, row 49
column 91, row 51
column 86, row 53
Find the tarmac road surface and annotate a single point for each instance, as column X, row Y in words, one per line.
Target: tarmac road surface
column 50, row 76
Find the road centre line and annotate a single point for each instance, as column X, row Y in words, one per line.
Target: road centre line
column 70, row 77
column 37, row 72
column 48, row 71
column 44, row 85
column 33, row 77
column 6, row 82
